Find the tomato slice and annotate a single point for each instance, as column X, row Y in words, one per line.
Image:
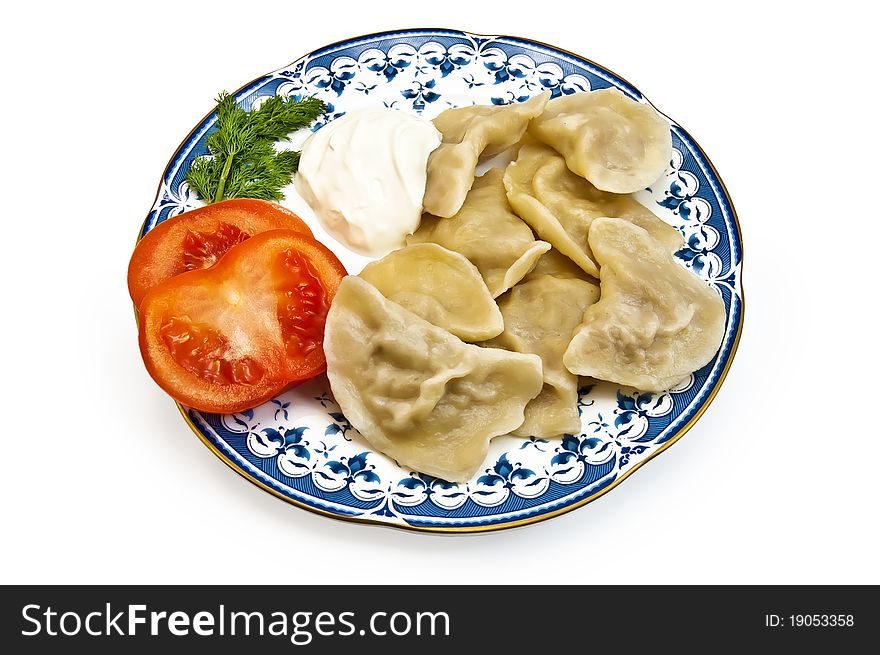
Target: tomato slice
column 197, row 239
column 232, row 336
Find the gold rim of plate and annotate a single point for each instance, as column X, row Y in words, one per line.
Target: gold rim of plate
column 530, row 519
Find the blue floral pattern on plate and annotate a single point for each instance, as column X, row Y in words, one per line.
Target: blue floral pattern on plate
column 300, row 447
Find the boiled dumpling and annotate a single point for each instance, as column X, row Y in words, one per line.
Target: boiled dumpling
column 616, row 143
column 469, row 133
column 488, row 233
column 416, row 392
column 558, row 265
column 540, row 316
column 560, row 205
column 656, row 321
column 439, row 285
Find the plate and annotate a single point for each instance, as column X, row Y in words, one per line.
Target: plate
column 301, row 448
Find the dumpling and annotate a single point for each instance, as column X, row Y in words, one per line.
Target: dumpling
column 416, row 392
column 540, row 316
column 558, row 265
column 616, row 143
column 656, row 321
column 560, row 205
column 439, row 285
column 469, row 133
column 488, row 233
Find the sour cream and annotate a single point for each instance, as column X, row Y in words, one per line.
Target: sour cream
column 364, row 176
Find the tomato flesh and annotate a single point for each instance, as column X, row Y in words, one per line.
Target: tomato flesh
column 203, row 249
column 205, row 353
column 301, row 307
column 302, row 304
column 197, row 239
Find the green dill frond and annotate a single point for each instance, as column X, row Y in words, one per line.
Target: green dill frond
column 277, row 117
column 243, row 162
column 202, row 177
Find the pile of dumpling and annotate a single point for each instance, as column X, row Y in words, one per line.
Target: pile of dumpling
column 516, row 283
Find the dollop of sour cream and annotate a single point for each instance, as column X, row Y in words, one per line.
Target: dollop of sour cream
column 364, row 176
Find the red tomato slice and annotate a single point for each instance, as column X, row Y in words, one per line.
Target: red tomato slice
column 232, row 336
column 197, row 239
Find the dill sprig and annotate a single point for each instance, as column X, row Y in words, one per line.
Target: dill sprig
column 243, row 161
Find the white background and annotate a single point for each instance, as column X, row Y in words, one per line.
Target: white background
column 101, row 480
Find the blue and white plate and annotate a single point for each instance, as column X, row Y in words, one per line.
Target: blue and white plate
column 301, row 448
